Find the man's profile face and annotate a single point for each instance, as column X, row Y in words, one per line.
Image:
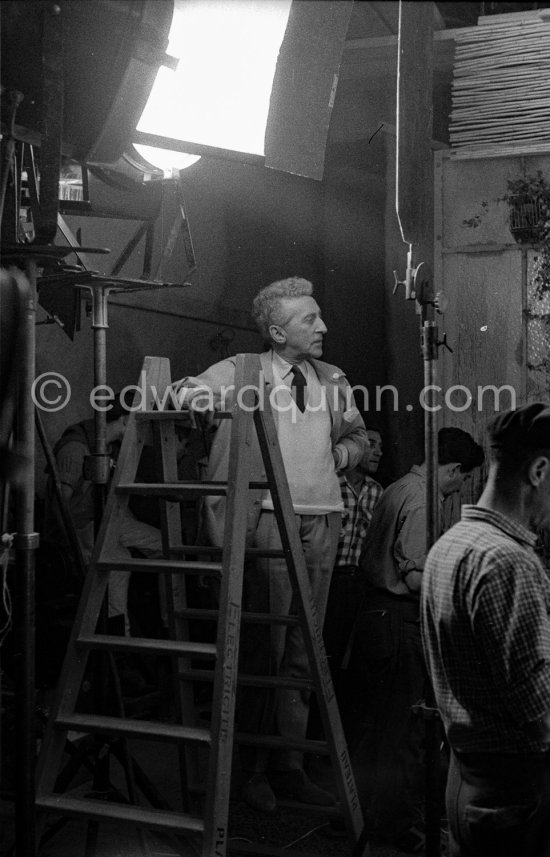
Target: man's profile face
column 372, row 456
column 301, row 334
column 453, row 479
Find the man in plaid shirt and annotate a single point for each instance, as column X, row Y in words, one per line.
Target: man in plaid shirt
column 486, row 635
column 360, row 493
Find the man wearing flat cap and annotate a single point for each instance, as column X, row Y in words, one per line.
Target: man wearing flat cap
column 486, row 634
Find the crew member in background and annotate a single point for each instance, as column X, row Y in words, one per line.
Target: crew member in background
column 486, row 635
column 386, row 657
column 360, row 494
column 71, row 453
column 320, row 432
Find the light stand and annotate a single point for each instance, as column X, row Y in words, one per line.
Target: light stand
column 414, row 207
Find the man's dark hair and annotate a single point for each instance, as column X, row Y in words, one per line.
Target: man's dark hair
column 519, row 435
column 512, row 461
column 454, row 444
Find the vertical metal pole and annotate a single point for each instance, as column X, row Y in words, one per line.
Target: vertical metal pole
column 100, row 471
column 429, row 350
column 414, row 203
column 99, row 476
column 25, row 544
column 433, row 735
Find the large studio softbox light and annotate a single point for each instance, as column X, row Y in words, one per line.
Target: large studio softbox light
column 110, row 55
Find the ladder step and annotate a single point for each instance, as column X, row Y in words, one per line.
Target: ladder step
column 99, row 809
column 177, row 490
column 166, row 566
column 256, row 618
column 171, row 490
column 251, row 680
column 217, row 551
column 95, row 723
column 107, row 642
column 276, row 742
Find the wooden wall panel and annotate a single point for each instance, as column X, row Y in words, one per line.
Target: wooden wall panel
column 484, row 326
column 485, row 329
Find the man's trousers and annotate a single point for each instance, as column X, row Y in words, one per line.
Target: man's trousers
column 498, row 805
column 278, row 649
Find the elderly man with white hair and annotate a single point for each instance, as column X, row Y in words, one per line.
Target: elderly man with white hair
column 320, row 433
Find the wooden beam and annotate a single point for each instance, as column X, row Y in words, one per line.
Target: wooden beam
column 390, row 40
column 373, row 57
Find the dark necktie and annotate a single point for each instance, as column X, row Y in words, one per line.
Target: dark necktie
column 299, row 385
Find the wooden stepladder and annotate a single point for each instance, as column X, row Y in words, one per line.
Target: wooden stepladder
column 210, row 823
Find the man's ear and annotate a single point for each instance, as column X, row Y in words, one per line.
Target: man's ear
column 539, row 470
column 277, row 334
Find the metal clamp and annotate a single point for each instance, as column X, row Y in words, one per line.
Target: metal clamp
column 26, row 541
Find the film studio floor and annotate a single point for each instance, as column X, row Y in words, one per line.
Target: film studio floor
column 294, row 829
column 300, row 832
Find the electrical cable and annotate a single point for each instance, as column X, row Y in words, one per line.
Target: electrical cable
column 305, row 835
